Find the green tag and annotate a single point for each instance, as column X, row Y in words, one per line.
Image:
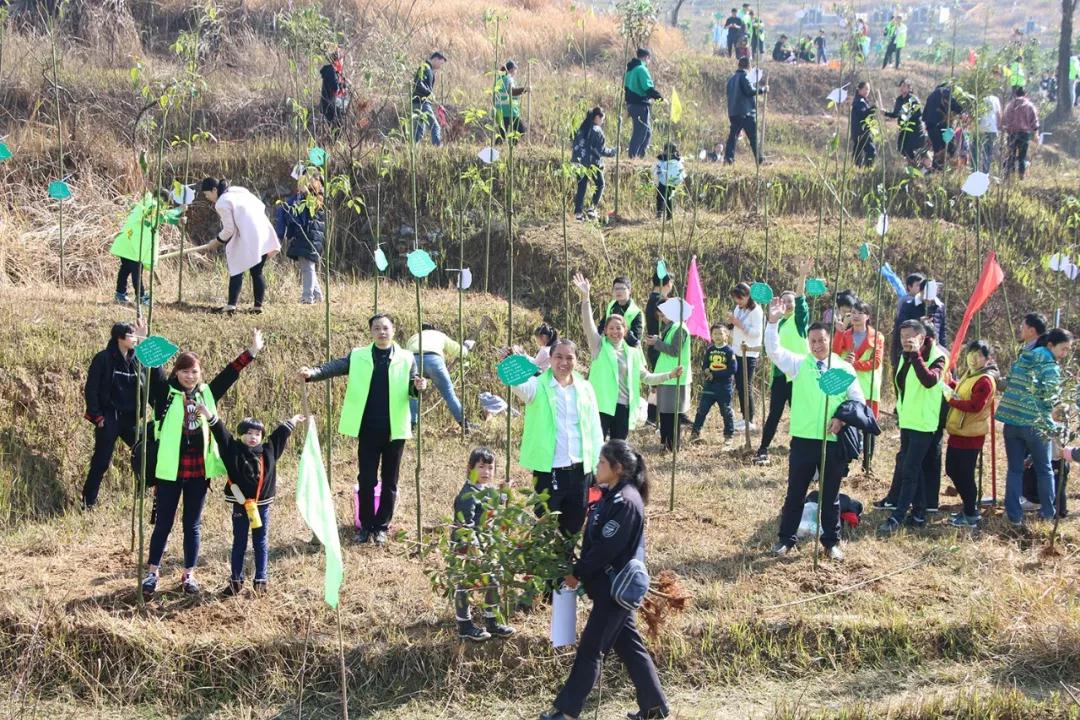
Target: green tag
column 155, row 351
column 5, row 151
column 316, row 156
column 59, row 190
column 864, row 251
column 420, row 263
column 516, row 369
column 835, row 381
column 815, row 287
column 761, row 293
column 380, row 260
column 661, row 269
column 947, row 134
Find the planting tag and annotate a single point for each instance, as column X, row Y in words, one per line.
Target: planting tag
column 976, row 185
column 947, row 134
column 492, row 403
column 676, row 309
column 932, row 290
column 864, row 251
column 838, row 95
column 59, row 190
column 761, row 293
column 516, row 369
column 5, row 151
column 661, row 269
column 815, row 287
column 835, row 381
column 465, row 279
column 1059, row 262
column 488, row 155
column 297, row 171
column 882, row 225
column 754, row 75
column 1071, row 271
column 702, row 155
column 420, row 263
column 182, row 194
column 316, row 156
column 155, row 351
column 380, row 260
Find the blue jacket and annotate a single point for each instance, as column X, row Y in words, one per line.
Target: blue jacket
column 590, row 148
column 1032, row 391
column 302, row 231
column 741, row 95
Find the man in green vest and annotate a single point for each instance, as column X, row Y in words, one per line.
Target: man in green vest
column 810, row 409
column 562, row 437
column 507, row 107
column 919, row 404
column 1074, row 79
column 382, row 378
column 622, row 304
column 1016, row 75
column 895, row 39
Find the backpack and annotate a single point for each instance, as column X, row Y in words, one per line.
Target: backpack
column 580, row 149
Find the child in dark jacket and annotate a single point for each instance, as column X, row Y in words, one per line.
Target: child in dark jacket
column 720, row 367
column 468, row 516
column 252, row 484
column 589, row 150
column 669, row 174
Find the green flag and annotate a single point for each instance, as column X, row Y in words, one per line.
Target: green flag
column 316, row 507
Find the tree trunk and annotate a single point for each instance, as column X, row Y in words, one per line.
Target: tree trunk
column 679, row 3
column 1066, row 89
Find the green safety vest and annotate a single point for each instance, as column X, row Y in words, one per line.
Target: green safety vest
column 666, row 363
column 890, row 31
column 869, row 380
column 790, row 339
column 1016, row 74
column 504, row 96
column 137, row 240
column 900, row 36
column 1074, row 67
column 361, row 366
column 604, row 377
column 920, row 407
column 538, row 438
column 808, row 402
column 632, row 312
column 171, row 427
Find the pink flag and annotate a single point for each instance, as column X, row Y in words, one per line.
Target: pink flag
column 698, row 322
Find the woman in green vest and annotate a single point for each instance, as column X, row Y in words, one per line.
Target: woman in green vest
column 382, row 377
column 617, row 369
column 137, row 243
column 187, row 455
column 673, row 395
column 507, row 108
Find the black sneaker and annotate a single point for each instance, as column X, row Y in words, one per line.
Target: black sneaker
column 915, row 521
column 235, row 587
column 497, row 629
column 780, row 549
column 654, row 714
column 149, row 586
column 761, row 458
column 362, row 536
column 468, row 631
column 884, row 504
column 260, row 587
column 189, row 585
column 889, row 527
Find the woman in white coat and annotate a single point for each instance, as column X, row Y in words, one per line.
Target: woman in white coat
column 247, row 235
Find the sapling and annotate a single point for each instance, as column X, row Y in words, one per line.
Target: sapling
column 490, row 16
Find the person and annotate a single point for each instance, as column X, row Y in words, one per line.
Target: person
column 544, row 336
column 820, row 50
column 622, row 304
column 188, row 456
column 137, row 244
column 1048, row 87
column 1032, row 327
column 782, row 50
column 840, row 315
column 742, row 49
column 111, row 394
column 736, row 28
column 561, row 440
column 864, row 348
column 792, row 330
column 1074, row 78
column 382, row 378
column 439, row 348
column 907, row 111
column 989, row 122
column 661, row 290
column 300, row 223
column 862, row 128
column 747, row 321
column 809, row 408
column 673, row 395
column 1026, row 412
column 251, row 464
column 862, row 40
column 615, row 535
column 1015, row 74
column 971, row 402
column 896, row 37
column 423, row 113
column 720, row 366
column 590, row 149
column 507, row 107
column 938, row 114
column 806, row 49
column 742, row 111
column 719, row 34
column 617, row 370
column 669, row 174
column 247, row 236
column 334, row 95
column 914, row 306
column 1020, row 121
column 757, row 37
column 640, row 92
column 919, row 398
column 468, row 516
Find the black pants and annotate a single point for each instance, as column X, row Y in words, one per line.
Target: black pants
column 863, row 150
column 258, row 284
column 610, row 627
column 617, row 426
column 719, row 394
column 667, row 429
column 803, row 462
column 912, row 490
column 641, row 135
column 132, row 269
column 377, row 451
column 597, row 174
column 779, row 396
column 568, row 491
column 665, row 203
column 961, row 464
column 741, row 123
column 1018, row 151
column 1061, row 479
column 116, row 426
column 889, row 52
column 507, row 125
column 745, row 393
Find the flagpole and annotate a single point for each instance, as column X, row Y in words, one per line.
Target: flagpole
column 341, row 660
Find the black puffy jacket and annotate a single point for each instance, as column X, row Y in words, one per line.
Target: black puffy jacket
column 302, row 231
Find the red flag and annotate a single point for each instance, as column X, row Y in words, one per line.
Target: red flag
column 972, row 57
column 989, row 279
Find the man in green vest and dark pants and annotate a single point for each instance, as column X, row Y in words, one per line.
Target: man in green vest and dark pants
column 638, row 84
column 507, row 106
column 562, row 437
column 896, row 38
column 810, row 407
column 382, row 378
column 919, row 403
column 622, row 304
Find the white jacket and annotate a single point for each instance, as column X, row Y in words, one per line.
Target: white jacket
column 754, row 322
column 245, row 228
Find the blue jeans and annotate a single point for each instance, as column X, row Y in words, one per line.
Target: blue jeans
column 1021, row 443
column 435, row 371
column 719, row 394
column 424, row 115
column 168, row 499
column 641, row 135
column 260, row 546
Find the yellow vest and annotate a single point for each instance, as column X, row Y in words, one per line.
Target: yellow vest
column 966, row 424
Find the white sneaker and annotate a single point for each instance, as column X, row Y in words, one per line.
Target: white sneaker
column 1028, row 506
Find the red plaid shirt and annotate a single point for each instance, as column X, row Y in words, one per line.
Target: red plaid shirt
column 192, row 466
